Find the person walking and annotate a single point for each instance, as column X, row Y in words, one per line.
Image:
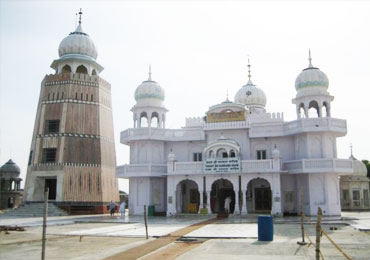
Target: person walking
column 122, row 208
column 227, row 205
column 112, row 208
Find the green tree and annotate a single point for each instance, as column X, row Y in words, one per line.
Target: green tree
column 367, row 163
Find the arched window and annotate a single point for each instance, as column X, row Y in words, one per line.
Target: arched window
column 144, row 120
column 211, row 154
column 222, row 153
column 155, row 120
column 93, row 72
column 66, row 69
column 301, row 111
column 232, row 154
column 81, row 69
column 311, row 109
column 327, row 109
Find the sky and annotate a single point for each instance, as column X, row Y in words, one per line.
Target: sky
column 198, row 51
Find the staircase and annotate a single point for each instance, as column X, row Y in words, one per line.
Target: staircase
column 35, row 210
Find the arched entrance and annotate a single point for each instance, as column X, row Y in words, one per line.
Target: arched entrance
column 221, row 189
column 258, row 197
column 187, row 197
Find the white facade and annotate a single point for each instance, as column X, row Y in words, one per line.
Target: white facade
column 239, row 150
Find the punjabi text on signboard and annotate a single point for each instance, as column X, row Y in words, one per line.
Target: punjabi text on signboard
column 222, row 165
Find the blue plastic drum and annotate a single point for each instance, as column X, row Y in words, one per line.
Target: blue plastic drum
column 265, row 228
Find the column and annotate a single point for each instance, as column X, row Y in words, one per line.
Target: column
column 209, row 202
column 244, row 206
column 200, row 199
column 237, row 200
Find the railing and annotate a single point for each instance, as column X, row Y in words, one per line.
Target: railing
column 188, row 167
column 162, row 134
column 256, row 165
column 228, row 125
column 136, row 170
column 319, row 165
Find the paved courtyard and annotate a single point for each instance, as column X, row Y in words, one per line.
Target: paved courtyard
column 98, row 237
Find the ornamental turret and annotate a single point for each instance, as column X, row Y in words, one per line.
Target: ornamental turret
column 149, row 110
column 312, row 92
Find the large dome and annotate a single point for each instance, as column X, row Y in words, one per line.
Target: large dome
column 149, row 93
column 78, row 42
column 251, row 96
column 311, row 81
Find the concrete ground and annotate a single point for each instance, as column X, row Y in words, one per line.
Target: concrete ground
column 98, row 237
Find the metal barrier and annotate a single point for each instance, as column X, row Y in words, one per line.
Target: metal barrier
column 319, row 233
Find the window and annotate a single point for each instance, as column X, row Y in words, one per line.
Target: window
column 261, row 155
column 30, row 158
column 356, row 197
column 345, row 195
column 92, row 97
column 197, row 157
column 49, row 155
column 52, row 126
column 366, row 197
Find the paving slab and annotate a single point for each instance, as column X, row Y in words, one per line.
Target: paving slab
column 226, row 231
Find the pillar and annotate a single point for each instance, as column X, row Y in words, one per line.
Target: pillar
column 200, row 199
column 244, row 206
column 209, row 202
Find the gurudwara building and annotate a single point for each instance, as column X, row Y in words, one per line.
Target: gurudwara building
column 72, row 150
column 238, row 149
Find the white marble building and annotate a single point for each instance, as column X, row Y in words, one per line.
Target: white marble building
column 240, row 150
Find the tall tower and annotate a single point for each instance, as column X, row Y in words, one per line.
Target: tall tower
column 72, row 150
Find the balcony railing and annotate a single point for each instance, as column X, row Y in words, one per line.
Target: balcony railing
column 302, row 125
column 152, row 133
column 137, row 170
column 319, row 166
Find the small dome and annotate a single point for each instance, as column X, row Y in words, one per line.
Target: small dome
column 149, row 93
column 10, row 167
column 312, row 80
column 78, row 42
column 250, row 95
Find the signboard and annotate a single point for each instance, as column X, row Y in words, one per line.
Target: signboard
column 221, row 165
column 225, row 116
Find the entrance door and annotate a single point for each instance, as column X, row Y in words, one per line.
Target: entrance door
column 263, row 199
column 52, row 185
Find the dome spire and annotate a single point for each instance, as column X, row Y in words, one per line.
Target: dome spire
column 309, row 59
column 249, row 73
column 150, row 72
column 80, row 13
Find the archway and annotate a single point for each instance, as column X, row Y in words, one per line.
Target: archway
column 187, row 197
column 81, row 69
column 66, row 69
column 154, row 122
column 258, row 197
column 301, row 111
column 221, row 189
column 311, row 109
column 143, row 121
